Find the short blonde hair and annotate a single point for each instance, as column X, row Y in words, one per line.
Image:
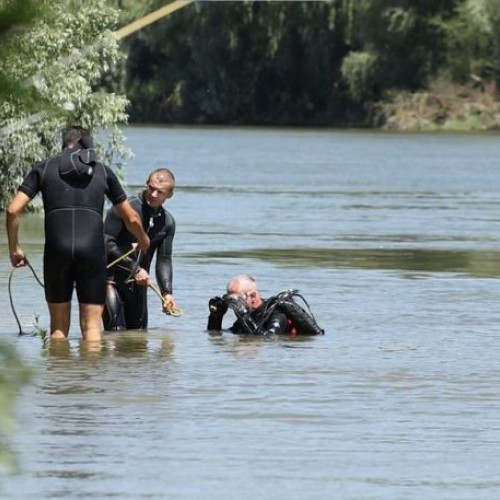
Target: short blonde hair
column 165, row 178
column 163, row 170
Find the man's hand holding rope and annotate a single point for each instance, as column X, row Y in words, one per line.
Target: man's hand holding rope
column 141, row 277
column 168, row 303
column 18, row 258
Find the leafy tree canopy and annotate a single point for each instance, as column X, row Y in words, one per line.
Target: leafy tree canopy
column 53, row 69
column 307, row 63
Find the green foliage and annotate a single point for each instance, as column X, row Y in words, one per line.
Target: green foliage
column 41, row 332
column 405, row 41
column 238, row 62
column 298, row 62
column 14, row 16
column 306, row 63
column 13, row 376
column 473, row 41
column 357, row 71
column 130, row 10
column 74, row 49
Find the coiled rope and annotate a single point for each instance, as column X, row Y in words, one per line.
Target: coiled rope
column 170, row 308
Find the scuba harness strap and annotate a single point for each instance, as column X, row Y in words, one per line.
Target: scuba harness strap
column 302, row 321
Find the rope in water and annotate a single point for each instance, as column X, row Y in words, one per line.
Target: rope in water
column 11, row 300
column 171, row 309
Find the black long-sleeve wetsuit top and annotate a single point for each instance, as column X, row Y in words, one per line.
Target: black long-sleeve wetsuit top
column 160, row 227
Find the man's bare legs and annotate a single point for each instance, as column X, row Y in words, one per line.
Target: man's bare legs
column 91, row 321
column 60, row 319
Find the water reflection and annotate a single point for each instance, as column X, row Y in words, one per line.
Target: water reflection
column 396, row 401
column 133, row 344
column 248, row 346
column 130, row 344
column 479, row 263
column 59, row 349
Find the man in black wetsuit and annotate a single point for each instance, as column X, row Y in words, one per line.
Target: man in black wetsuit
column 243, row 295
column 128, row 279
column 74, row 185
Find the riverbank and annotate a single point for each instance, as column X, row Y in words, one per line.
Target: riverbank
column 444, row 106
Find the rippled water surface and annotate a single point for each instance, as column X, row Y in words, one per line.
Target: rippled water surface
column 394, row 241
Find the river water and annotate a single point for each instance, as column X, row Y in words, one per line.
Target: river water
column 394, row 241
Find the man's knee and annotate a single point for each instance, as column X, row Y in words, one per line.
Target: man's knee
column 90, row 317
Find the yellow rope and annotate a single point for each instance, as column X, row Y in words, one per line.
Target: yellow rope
column 151, row 18
column 170, row 309
column 111, row 264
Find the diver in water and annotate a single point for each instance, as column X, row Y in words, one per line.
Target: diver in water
column 74, row 185
column 278, row 315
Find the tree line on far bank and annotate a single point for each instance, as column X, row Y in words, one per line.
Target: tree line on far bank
column 404, row 64
column 335, row 63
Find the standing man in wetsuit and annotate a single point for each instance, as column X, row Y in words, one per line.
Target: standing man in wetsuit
column 245, row 300
column 128, row 279
column 73, row 186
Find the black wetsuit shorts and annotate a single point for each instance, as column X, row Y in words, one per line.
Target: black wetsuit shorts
column 77, row 259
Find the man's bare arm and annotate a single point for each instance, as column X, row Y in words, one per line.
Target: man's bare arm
column 14, row 212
